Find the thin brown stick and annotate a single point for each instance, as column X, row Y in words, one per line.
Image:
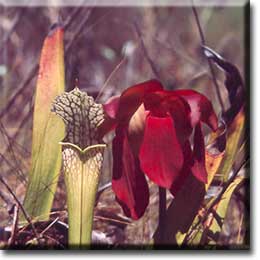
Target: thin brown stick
column 5, row 197
column 24, row 85
column 112, row 220
column 71, row 18
column 16, row 21
column 10, row 149
column 27, row 217
column 203, row 42
column 14, row 226
column 110, row 77
column 152, row 65
column 49, row 226
column 12, row 140
column 78, row 31
column 12, row 169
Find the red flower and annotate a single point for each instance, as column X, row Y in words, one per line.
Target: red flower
column 153, row 130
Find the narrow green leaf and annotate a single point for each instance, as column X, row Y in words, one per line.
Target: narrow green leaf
column 48, row 129
column 234, row 136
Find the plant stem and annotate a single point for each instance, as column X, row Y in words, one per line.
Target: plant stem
column 162, row 213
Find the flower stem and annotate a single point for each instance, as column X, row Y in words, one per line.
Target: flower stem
column 162, row 213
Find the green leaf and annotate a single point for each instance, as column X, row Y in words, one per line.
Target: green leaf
column 235, row 134
column 48, row 129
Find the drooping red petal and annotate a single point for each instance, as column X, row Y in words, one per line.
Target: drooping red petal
column 201, row 108
column 188, row 161
column 133, row 97
column 198, row 168
column 128, row 183
column 180, row 112
column 161, row 155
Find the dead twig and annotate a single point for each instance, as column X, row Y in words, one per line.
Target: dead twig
column 78, row 31
column 21, row 89
column 5, row 197
column 109, row 78
column 16, row 21
column 10, row 149
column 49, row 226
column 27, row 217
column 71, row 18
column 14, row 226
column 152, row 65
column 12, row 140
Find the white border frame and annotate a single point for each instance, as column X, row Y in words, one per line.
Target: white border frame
column 254, row 131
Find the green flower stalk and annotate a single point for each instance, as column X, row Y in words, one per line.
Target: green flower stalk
column 82, row 153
